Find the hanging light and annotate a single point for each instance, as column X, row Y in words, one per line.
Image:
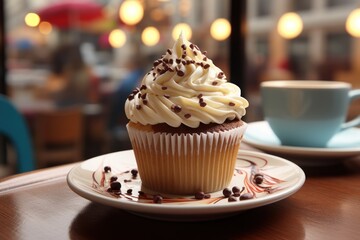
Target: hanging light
column 220, row 29
column 150, row 36
column 290, row 25
column 181, row 27
column 131, row 12
column 32, row 19
column 117, row 38
column 353, row 23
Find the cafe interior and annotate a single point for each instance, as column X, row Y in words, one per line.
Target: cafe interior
column 103, row 45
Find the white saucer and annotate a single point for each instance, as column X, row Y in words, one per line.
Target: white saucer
column 343, row 145
column 282, row 178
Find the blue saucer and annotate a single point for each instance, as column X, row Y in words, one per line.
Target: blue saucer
column 343, row 145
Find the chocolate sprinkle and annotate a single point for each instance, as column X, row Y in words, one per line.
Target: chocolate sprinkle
column 169, row 51
column 226, row 192
column 115, row 186
column 231, row 104
column 232, row 199
column 164, row 88
column 138, row 107
column 136, row 90
column 157, row 62
column 214, row 83
column 180, row 73
column 176, row 108
column 199, row 195
column 157, row 199
column 202, row 104
column 246, row 196
column 188, row 115
column 134, row 172
column 113, row 178
column 258, row 178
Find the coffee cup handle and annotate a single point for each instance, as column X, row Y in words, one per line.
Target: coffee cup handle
column 353, row 94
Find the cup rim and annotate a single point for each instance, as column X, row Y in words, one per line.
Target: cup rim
column 305, row 84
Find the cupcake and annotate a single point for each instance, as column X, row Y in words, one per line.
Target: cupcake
column 185, row 123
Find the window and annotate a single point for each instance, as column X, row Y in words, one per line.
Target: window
column 263, row 8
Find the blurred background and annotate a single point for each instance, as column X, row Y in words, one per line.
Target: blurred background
column 88, row 55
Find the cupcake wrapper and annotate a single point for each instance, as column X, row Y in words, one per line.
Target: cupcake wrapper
column 186, row 163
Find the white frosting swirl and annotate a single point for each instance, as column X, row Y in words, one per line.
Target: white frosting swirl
column 185, row 87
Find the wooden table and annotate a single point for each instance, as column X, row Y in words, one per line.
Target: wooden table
column 40, row 205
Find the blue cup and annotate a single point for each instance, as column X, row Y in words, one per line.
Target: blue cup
column 307, row 113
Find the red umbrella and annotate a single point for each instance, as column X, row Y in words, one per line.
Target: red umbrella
column 71, row 13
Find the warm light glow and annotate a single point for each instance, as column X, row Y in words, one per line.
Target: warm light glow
column 353, row 23
column 150, row 36
column 131, row 12
column 117, row 38
column 32, row 19
column 220, row 29
column 45, row 28
column 184, row 28
column 290, row 25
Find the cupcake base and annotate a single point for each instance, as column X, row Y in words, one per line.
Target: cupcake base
column 185, row 163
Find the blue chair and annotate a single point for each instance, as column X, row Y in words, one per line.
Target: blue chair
column 13, row 126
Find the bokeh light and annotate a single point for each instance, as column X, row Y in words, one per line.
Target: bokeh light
column 131, row 12
column 353, row 23
column 290, row 25
column 183, row 28
column 45, row 28
column 150, row 36
column 32, row 19
column 117, row 38
column 220, row 29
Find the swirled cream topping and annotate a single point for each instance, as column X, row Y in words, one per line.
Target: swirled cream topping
column 185, row 87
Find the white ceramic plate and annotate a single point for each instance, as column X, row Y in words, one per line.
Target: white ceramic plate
column 282, row 178
column 343, row 145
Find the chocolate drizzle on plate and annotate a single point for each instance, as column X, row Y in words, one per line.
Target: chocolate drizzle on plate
column 252, row 181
